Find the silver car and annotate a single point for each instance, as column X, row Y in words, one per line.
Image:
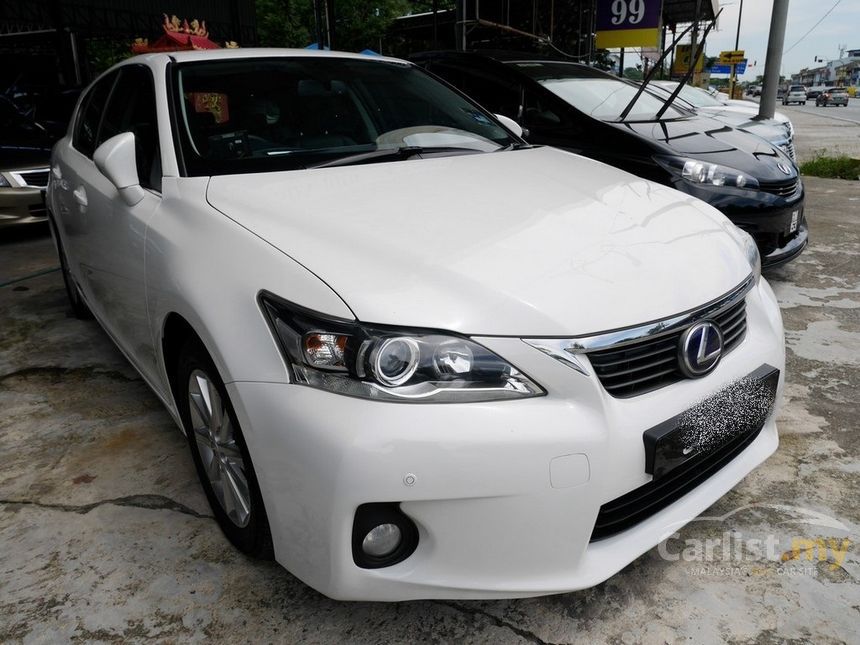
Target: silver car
column 795, row 94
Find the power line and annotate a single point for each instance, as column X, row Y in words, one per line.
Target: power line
column 829, row 11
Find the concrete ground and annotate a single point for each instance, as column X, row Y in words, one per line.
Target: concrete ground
column 106, row 536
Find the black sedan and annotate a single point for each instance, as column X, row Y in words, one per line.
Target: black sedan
column 581, row 109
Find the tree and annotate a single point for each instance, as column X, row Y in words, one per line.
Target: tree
column 633, row 73
column 358, row 24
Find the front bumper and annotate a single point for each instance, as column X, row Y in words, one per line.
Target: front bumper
column 766, row 217
column 505, row 495
column 22, row 206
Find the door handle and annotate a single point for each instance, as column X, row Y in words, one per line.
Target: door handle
column 80, row 195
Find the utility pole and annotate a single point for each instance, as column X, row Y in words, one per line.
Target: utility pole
column 773, row 63
column 733, row 77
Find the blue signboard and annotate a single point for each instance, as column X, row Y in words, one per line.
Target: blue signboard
column 740, row 68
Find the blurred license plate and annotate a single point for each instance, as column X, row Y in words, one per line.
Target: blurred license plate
column 795, row 217
column 737, row 410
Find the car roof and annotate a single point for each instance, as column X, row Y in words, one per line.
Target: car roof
column 162, row 58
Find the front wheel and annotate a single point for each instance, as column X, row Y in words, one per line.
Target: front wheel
column 220, row 453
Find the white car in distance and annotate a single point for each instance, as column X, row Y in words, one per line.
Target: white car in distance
column 414, row 357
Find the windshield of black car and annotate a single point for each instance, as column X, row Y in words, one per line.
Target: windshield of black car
column 286, row 113
column 595, row 93
column 695, row 96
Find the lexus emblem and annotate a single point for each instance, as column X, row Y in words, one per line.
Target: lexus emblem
column 700, row 349
column 785, row 169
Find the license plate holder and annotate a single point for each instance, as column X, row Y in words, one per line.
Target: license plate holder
column 795, row 220
column 740, row 408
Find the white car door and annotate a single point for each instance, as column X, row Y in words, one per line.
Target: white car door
column 68, row 195
column 112, row 249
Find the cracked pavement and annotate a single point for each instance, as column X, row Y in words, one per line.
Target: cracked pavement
column 105, row 533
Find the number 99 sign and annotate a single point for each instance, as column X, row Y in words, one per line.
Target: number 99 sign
column 628, row 23
column 629, row 11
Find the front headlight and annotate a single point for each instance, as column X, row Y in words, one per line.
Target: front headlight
column 753, row 256
column 389, row 364
column 703, row 172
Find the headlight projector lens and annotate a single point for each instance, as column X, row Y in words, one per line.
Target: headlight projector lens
column 395, row 360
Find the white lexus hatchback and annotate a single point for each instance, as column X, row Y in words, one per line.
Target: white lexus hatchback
column 414, row 357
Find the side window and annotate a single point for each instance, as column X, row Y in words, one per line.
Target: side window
column 90, row 115
column 132, row 109
column 539, row 112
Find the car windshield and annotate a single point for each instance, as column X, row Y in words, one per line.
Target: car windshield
column 838, row 90
column 595, row 93
column 256, row 115
column 695, row 96
column 797, row 88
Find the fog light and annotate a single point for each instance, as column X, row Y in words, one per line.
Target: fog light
column 382, row 535
column 382, row 540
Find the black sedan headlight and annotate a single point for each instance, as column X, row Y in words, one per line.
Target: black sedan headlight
column 703, row 172
column 388, row 363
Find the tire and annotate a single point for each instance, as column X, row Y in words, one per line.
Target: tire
column 220, row 453
column 76, row 301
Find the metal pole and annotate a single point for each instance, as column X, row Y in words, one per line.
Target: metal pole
column 435, row 24
column 694, row 38
column 591, row 31
column 775, row 44
column 733, row 76
column 460, row 25
column 579, row 31
column 318, row 18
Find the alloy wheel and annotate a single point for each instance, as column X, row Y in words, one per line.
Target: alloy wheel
column 216, row 442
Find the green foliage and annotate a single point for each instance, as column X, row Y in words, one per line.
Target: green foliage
column 359, row 24
column 285, row 23
column 841, row 167
column 104, row 53
column 633, row 73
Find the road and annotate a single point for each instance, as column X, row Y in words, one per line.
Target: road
column 825, row 131
column 849, row 113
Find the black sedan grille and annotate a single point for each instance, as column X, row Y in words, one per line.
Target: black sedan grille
column 652, row 362
column 782, row 188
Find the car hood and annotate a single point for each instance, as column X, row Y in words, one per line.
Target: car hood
column 769, row 129
column 19, row 157
column 714, row 141
column 534, row 242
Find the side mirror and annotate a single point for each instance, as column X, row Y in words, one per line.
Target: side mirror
column 510, row 124
column 116, row 160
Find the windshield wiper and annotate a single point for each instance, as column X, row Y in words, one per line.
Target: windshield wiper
column 403, row 152
column 659, row 65
column 694, row 57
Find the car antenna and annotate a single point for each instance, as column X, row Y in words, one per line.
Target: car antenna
column 652, row 72
column 699, row 50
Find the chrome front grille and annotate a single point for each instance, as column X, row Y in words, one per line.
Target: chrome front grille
column 783, row 188
column 653, row 362
column 34, row 178
column 635, row 360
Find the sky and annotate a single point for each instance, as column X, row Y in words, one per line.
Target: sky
column 841, row 27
